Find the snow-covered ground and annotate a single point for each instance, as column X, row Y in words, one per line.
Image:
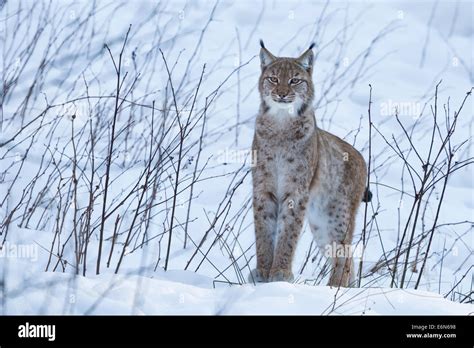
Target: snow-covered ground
column 403, row 49
column 185, row 292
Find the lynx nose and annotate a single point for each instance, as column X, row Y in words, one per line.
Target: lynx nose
column 282, row 95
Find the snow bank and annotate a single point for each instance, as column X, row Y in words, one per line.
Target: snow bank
column 185, row 292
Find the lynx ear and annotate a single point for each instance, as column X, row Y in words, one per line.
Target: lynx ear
column 266, row 57
column 306, row 59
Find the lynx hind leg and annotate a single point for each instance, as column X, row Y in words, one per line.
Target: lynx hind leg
column 342, row 273
column 332, row 227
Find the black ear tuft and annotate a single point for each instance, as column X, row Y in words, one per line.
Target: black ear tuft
column 261, row 43
column 312, row 45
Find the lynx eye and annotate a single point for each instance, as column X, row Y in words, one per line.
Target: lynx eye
column 273, row 79
column 295, row 81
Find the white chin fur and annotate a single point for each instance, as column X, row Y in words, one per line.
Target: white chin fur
column 284, row 109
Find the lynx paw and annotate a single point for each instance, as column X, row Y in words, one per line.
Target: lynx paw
column 281, row 276
column 257, row 276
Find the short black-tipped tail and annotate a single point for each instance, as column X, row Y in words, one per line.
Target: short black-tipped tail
column 367, row 197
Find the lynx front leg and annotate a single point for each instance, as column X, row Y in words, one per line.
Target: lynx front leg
column 290, row 223
column 265, row 217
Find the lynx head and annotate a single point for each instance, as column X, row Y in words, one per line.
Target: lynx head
column 286, row 83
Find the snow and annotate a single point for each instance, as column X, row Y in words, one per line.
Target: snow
column 186, row 293
column 394, row 68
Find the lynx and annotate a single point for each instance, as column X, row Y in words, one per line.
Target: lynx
column 300, row 170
